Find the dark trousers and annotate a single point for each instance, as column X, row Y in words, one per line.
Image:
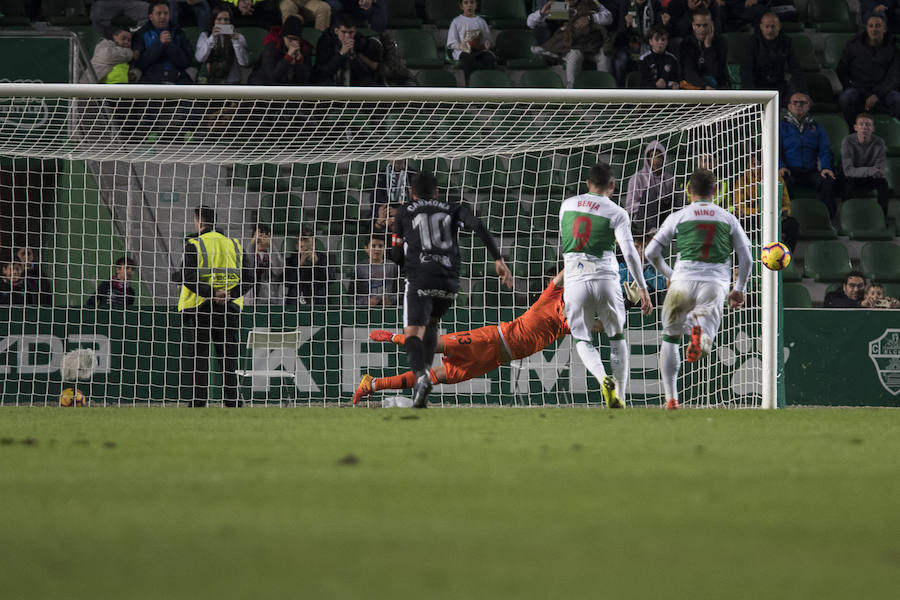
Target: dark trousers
column 854, row 186
column 480, row 59
column 813, row 179
column 221, row 327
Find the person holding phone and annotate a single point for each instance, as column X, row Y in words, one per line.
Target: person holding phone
column 221, row 49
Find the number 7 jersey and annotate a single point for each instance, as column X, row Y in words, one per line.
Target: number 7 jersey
column 589, row 227
column 707, row 235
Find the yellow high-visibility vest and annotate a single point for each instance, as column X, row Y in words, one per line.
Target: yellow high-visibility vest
column 219, row 263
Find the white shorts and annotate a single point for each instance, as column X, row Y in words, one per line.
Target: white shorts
column 594, row 298
column 690, row 303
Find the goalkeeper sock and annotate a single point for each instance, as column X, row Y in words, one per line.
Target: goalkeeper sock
column 415, row 354
column 399, row 339
column 395, row 382
column 591, row 359
column 669, row 363
column 618, row 359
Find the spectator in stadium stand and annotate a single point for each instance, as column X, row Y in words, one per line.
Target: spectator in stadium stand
column 632, row 38
column 183, row 13
column 889, row 9
column 383, row 221
column 869, row 70
column 104, row 11
column 268, row 265
column 771, row 63
column 117, row 292
column 864, row 162
column 583, row 34
column 651, row 191
column 16, row 288
column 804, row 153
column 704, row 56
column 215, row 276
column 660, row 68
column 680, row 22
column 306, row 273
column 223, row 54
column 875, row 298
column 375, row 281
column 851, row 293
column 392, row 182
column 286, row 56
column 469, row 40
column 163, row 51
column 346, row 57
column 255, row 13
column 368, row 13
column 312, row 11
column 746, row 203
column 34, row 273
column 112, row 57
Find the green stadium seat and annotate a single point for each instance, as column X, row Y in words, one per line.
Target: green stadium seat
column 402, row 14
column 418, row 48
column 595, row 80
column 830, row 16
column 836, row 128
column 893, row 175
column 254, row 37
column 734, row 75
column 192, row 34
column 803, row 50
column 362, row 175
column 739, row 44
column 513, row 48
column 544, row 78
column 532, row 174
column 821, row 92
column 495, row 294
column 441, row 12
column 892, row 290
column 633, row 80
column 795, row 295
column 283, row 212
column 532, row 257
column 310, row 34
column 834, row 47
column 487, row 78
column 793, row 272
column 504, row 14
column 259, row 178
column 826, row 261
column 65, row 13
column 813, row 218
column 13, row 14
column 862, row 219
column 888, row 128
column 880, row 261
column 473, row 255
column 482, row 174
column 439, row 166
column 436, row 78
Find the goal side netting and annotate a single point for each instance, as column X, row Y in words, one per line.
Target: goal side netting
column 307, row 180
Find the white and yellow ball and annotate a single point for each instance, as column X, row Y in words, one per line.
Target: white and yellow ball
column 775, row 256
column 71, row 397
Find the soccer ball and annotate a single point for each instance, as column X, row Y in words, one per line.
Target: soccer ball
column 71, row 397
column 776, row 256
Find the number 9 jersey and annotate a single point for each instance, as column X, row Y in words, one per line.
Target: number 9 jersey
column 589, row 227
column 430, row 252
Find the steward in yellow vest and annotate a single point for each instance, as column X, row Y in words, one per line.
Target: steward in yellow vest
column 214, row 279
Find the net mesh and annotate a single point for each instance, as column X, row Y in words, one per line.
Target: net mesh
column 87, row 181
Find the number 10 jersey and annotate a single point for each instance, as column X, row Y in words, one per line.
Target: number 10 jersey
column 589, row 227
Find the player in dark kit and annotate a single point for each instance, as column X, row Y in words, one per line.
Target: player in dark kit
column 427, row 228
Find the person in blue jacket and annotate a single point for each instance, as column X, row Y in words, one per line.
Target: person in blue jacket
column 804, row 153
column 163, row 51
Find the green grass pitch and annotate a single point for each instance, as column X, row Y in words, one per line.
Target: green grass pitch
column 449, row 503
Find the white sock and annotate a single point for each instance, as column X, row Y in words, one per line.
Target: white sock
column 669, row 363
column 618, row 358
column 591, row 359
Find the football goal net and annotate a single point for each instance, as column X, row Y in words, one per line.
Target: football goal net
column 99, row 186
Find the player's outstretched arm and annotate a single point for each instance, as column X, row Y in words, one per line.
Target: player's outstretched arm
column 745, row 261
column 653, row 253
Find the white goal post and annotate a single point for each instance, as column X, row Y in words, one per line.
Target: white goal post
column 97, row 172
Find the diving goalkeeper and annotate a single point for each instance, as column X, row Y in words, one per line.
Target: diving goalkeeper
column 470, row 354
